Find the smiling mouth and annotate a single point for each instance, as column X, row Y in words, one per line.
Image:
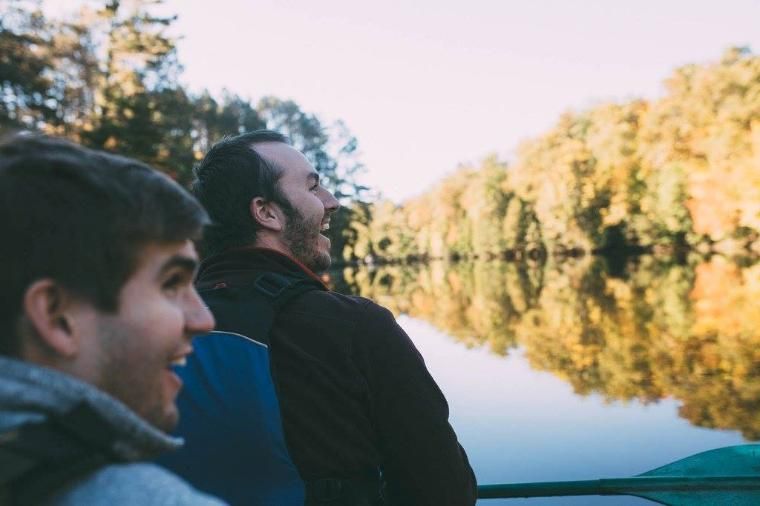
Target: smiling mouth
column 179, row 362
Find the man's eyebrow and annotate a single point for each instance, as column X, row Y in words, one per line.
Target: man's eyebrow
column 313, row 176
column 180, row 261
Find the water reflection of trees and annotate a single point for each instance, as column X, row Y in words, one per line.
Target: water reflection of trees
column 654, row 330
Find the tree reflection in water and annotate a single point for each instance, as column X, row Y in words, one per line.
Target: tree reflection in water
column 654, row 329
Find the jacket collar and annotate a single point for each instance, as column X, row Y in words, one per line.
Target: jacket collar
column 242, row 266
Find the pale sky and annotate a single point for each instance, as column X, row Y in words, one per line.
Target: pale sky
column 428, row 84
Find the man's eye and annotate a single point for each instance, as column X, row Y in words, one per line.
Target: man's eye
column 174, row 282
column 314, row 188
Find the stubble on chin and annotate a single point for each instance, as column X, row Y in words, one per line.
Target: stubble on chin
column 135, row 384
column 303, row 240
column 321, row 263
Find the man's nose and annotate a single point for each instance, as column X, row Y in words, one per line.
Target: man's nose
column 198, row 318
column 330, row 202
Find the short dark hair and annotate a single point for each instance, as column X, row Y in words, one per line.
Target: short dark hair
column 81, row 217
column 228, row 178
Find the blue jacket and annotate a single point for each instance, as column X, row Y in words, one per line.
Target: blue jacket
column 229, row 408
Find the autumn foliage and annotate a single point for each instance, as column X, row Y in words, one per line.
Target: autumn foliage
column 678, row 172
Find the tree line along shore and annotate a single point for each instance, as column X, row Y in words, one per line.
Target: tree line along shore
column 671, row 174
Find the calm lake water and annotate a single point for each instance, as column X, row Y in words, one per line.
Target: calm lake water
column 583, row 370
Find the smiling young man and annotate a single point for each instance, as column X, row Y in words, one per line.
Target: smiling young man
column 324, row 391
column 97, row 306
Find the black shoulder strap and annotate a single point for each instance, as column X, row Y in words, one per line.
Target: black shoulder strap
column 251, row 310
column 39, row 459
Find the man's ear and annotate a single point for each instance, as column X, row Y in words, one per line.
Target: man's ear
column 267, row 214
column 51, row 312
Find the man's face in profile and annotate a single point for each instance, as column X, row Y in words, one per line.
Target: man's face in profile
column 310, row 205
column 133, row 350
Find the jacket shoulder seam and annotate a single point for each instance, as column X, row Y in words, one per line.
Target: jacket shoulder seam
column 227, row 332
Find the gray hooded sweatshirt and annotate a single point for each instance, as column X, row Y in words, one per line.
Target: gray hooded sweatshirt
column 29, row 394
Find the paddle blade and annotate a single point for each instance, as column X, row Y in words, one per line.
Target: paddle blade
column 742, row 460
column 734, row 461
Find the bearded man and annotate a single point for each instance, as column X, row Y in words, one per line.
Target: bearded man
column 302, row 395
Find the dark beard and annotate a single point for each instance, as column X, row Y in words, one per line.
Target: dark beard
column 302, row 238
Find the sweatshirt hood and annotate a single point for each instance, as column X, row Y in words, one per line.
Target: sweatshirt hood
column 30, row 393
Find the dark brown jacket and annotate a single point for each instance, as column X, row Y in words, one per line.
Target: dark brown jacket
column 354, row 392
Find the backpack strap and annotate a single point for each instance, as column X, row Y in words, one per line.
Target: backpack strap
column 250, row 310
column 39, row 459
